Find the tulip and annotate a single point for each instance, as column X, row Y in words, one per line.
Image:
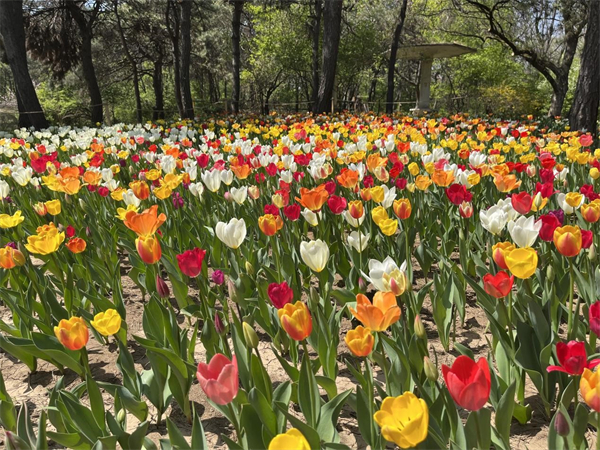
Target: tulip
column 311, row 217
column 315, row 254
column 356, row 209
column 572, row 358
column 587, row 238
column 292, row 439
column 140, row 189
column 379, row 214
column 107, row 323
column 499, row 252
column 568, row 240
column 212, row 180
column 458, row 194
column 280, row 294
column 431, row 372
column 561, row 426
column 571, row 203
column 190, row 262
column 589, row 386
column 386, row 276
column 360, row 341
column 218, row 277
column 233, row 233
column 591, row 212
column 402, row 208
column 219, row 379
column 358, row 241
column 250, row 336
column 494, row 219
column 46, row 241
column 146, row 223
column 522, row 202
column 53, row 207
column 11, row 257
column 313, row 199
column 468, row 382
column 377, row 194
column 336, row 204
column 270, row 224
column 7, row 221
column 465, row 210
column 524, row 231
column 379, row 315
column 148, row 249
column 296, row 320
column 239, row 195
column 388, row 226
column 594, row 316
column 498, row 285
column 522, row 262
column 549, row 223
column 76, row 245
column 40, row 209
column 404, row 420
column 72, row 333
column 162, row 288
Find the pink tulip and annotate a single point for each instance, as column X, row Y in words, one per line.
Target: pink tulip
column 219, row 379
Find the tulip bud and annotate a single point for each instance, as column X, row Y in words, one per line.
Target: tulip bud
column 228, row 197
column 561, row 426
column 250, row 336
column 592, row 252
column 465, row 209
column 121, row 416
column 249, row 268
column 362, row 285
column 531, row 171
column 232, row 290
column 420, row 328
column 550, row 274
column 162, row 288
column 219, row 326
column 431, row 371
column 538, row 200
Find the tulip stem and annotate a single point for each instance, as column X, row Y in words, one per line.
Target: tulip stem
column 235, row 422
column 276, row 255
column 384, row 362
column 571, row 294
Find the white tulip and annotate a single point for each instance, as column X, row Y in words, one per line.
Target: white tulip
column 4, row 189
column 524, row 231
column 315, row 254
column 358, row 241
column 130, row 199
column 227, row 177
column 386, row 276
column 239, row 195
column 494, row 219
column 232, row 234
column 212, row 180
column 196, row 189
column 389, row 196
column 568, row 209
column 310, row 217
column 22, row 175
column 351, row 220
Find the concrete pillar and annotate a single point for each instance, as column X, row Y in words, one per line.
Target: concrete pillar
column 424, row 85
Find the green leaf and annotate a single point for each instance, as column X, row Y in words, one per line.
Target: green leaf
column 176, row 436
column 309, row 432
column 264, row 410
column 308, row 393
column 198, row 436
column 504, row 413
column 81, row 417
column 329, row 417
column 96, row 402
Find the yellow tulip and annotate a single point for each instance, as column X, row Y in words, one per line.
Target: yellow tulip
column 589, row 386
column 377, row 194
column 292, row 439
column 388, row 226
column 53, row 207
column 7, row 221
column 379, row 214
column 522, row 262
column 413, row 168
column 404, row 420
column 107, row 323
column 46, row 241
column 423, row 182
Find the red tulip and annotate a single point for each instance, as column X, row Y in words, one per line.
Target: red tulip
column 468, row 382
column 549, row 223
column 219, row 379
column 498, row 285
column 292, row 212
column 280, row 294
column 336, row 204
column 457, row 194
column 521, row 202
column 587, row 238
column 572, row 358
column 190, row 262
column 594, row 314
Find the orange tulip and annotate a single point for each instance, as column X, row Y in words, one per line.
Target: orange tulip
column 506, row 183
column 360, row 341
column 313, row 199
column 568, row 240
column 72, row 333
column 146, row 223
column 375, row 160
column 378, row 316
column 92, row 178
column 591, row 212
column 356, row 209
column 270, row 224
column 76, row 245
column 295, row 320
column 149, row 249
column 589, row 386
column 10, row 257
column 365, row 194
column 242, row 171
column 348, row 178
column 402, row 208
column 442, row 178
column 140, row 189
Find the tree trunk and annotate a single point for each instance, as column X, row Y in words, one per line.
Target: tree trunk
column 316, row 37
column 584, row 112
column 157, row 85
column 238, row 7
column 332, row 21
column 134, row 68
column 87, row 61
column 174, row 34
column 13, row 34
column 186, row 54
column 389, row 100
column 559, row 92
